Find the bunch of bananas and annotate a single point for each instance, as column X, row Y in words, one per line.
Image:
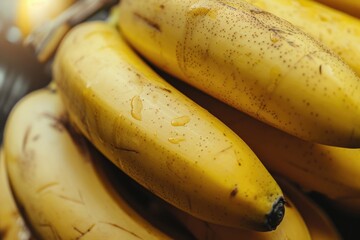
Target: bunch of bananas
column 198, row 119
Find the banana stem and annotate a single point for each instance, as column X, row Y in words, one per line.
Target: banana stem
column 46, row 38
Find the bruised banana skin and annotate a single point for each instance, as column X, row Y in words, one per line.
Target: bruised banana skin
column 349, row 6
column 253, row 61
column 319, row 224
column 55, row 181
column 158, row 136
column 331, row 171
column 323, row 23
column 12, row 225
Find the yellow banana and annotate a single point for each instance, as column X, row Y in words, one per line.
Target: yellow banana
column 12, row 225
column 332, row 171
column 349, row 6
column 338, row 31
column 293, row 226
column 252, row 60
column 158, row 136
column 55, row 180
column 319, row 224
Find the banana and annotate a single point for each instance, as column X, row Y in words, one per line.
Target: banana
column 12, row 225
column 349, row 6
column 158, row 136
column 291, row 227
column 331, row 171
column 53, row 173
column 319, row 224
column 253, row 61
column 321, row 22
column 30, row 14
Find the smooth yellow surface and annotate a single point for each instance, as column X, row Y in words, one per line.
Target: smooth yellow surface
column 251, row 60
column 55, row 179
column 336, row 30
column 158, row 136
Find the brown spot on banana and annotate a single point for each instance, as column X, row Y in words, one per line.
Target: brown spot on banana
column 234, row 191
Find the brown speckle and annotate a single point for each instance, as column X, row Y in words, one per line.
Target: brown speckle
column 234, row 191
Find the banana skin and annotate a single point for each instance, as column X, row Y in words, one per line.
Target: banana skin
column 12, row 224
column 53, row 173
column 336, row 30
column 332, row 171
column 251, row 60
column 159, row 137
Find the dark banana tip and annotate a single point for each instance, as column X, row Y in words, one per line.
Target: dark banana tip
column 274, row 218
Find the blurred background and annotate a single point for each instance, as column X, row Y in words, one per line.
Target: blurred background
column 20, row 72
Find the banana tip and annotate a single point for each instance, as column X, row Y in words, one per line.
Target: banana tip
column 274, row 218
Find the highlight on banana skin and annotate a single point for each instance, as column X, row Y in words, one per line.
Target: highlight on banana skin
column 198, row 119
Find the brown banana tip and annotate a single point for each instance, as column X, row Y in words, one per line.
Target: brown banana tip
column 274, row 218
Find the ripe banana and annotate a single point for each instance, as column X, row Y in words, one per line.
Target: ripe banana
column 332, row 171
column 319, row 224
column 158, row 136
column 293, row 226
column 338, row 31
column 252, row 60
column 12, row 225
column 349, row 6
column 55, row 180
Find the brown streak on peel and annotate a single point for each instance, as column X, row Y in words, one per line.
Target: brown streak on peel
column 125, row 149
column 148, row 21
column 122, row 228
column 164, row 89
column 52, row 229
column 81, row 201
column 26, row 138
column 58, row 123
column 82, row 234
column 46, row 186
column 320, row 69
